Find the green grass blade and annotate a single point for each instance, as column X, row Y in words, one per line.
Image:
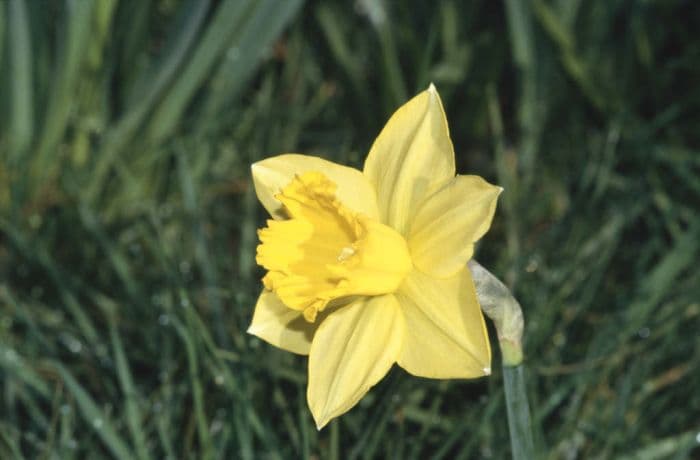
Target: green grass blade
column 133, row 412
column 41, row 256
column 568, row 10
column 332, row 28
column 94, row 416
column 395, row 81
column 152, row 82
column 165, row 437
column 197, row 390
column 119, row 136
column 508, row 179
column 11, row 441
column 15, row 365
column 115, row 255
column 78, row 18
column 261, row 28
column 672, row 447
column 202, row 253
column 21, row 78
column 572, row 61
column 2, row 39
column 212, row 45
column 662, row 279
column 23, row 315
column 521, row 34
column 530, row 105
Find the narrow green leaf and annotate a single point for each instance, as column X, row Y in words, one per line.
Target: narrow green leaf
column 11, row 441
column 133, row 412
column 57, row 277
column 197, row 389
column 78, row 17
column 677, row 446
column 21, row 78
column 2, row 36
column 571, row 60
column 165, row 436
column 115, row 255
column 568, row 10
column 394, row 75
column 202, row 253
column 331, row 26
column 15, row 365
column 183, row 34
column 250, row 44
column 94, row 416
column 661, row 280
column 215, row 40
column 508, row 179
column 119, row 136
column 530, row 103
column 465, row 430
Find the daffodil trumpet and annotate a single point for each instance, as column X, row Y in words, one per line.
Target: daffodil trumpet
column 369, row 268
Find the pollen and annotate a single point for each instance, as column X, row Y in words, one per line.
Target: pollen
column 325, row 251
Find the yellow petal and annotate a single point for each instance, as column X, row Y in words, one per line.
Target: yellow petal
column 270, row 176
column 411, row 158
column 281, row 326
column 353, row 348
column 447, row 224
column 445, row 333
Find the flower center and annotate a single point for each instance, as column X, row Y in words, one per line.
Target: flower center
column 325, row 251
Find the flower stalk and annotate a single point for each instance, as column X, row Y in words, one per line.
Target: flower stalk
column 500, row 306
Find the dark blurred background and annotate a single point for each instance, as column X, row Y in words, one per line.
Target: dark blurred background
column 127, row 219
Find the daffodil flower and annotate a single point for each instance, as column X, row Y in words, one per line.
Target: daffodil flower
column 368, row 268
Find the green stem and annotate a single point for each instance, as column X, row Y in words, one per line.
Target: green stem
column 519, row 422
column 500, row 306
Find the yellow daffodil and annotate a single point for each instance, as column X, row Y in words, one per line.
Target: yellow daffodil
column 368, row 268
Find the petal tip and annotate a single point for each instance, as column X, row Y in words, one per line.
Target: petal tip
column 434, row 95
column 320, row 420
column 487, row 371
column 320, row 424
column 259, row 171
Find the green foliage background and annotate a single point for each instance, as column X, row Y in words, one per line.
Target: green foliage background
column 127, row 219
